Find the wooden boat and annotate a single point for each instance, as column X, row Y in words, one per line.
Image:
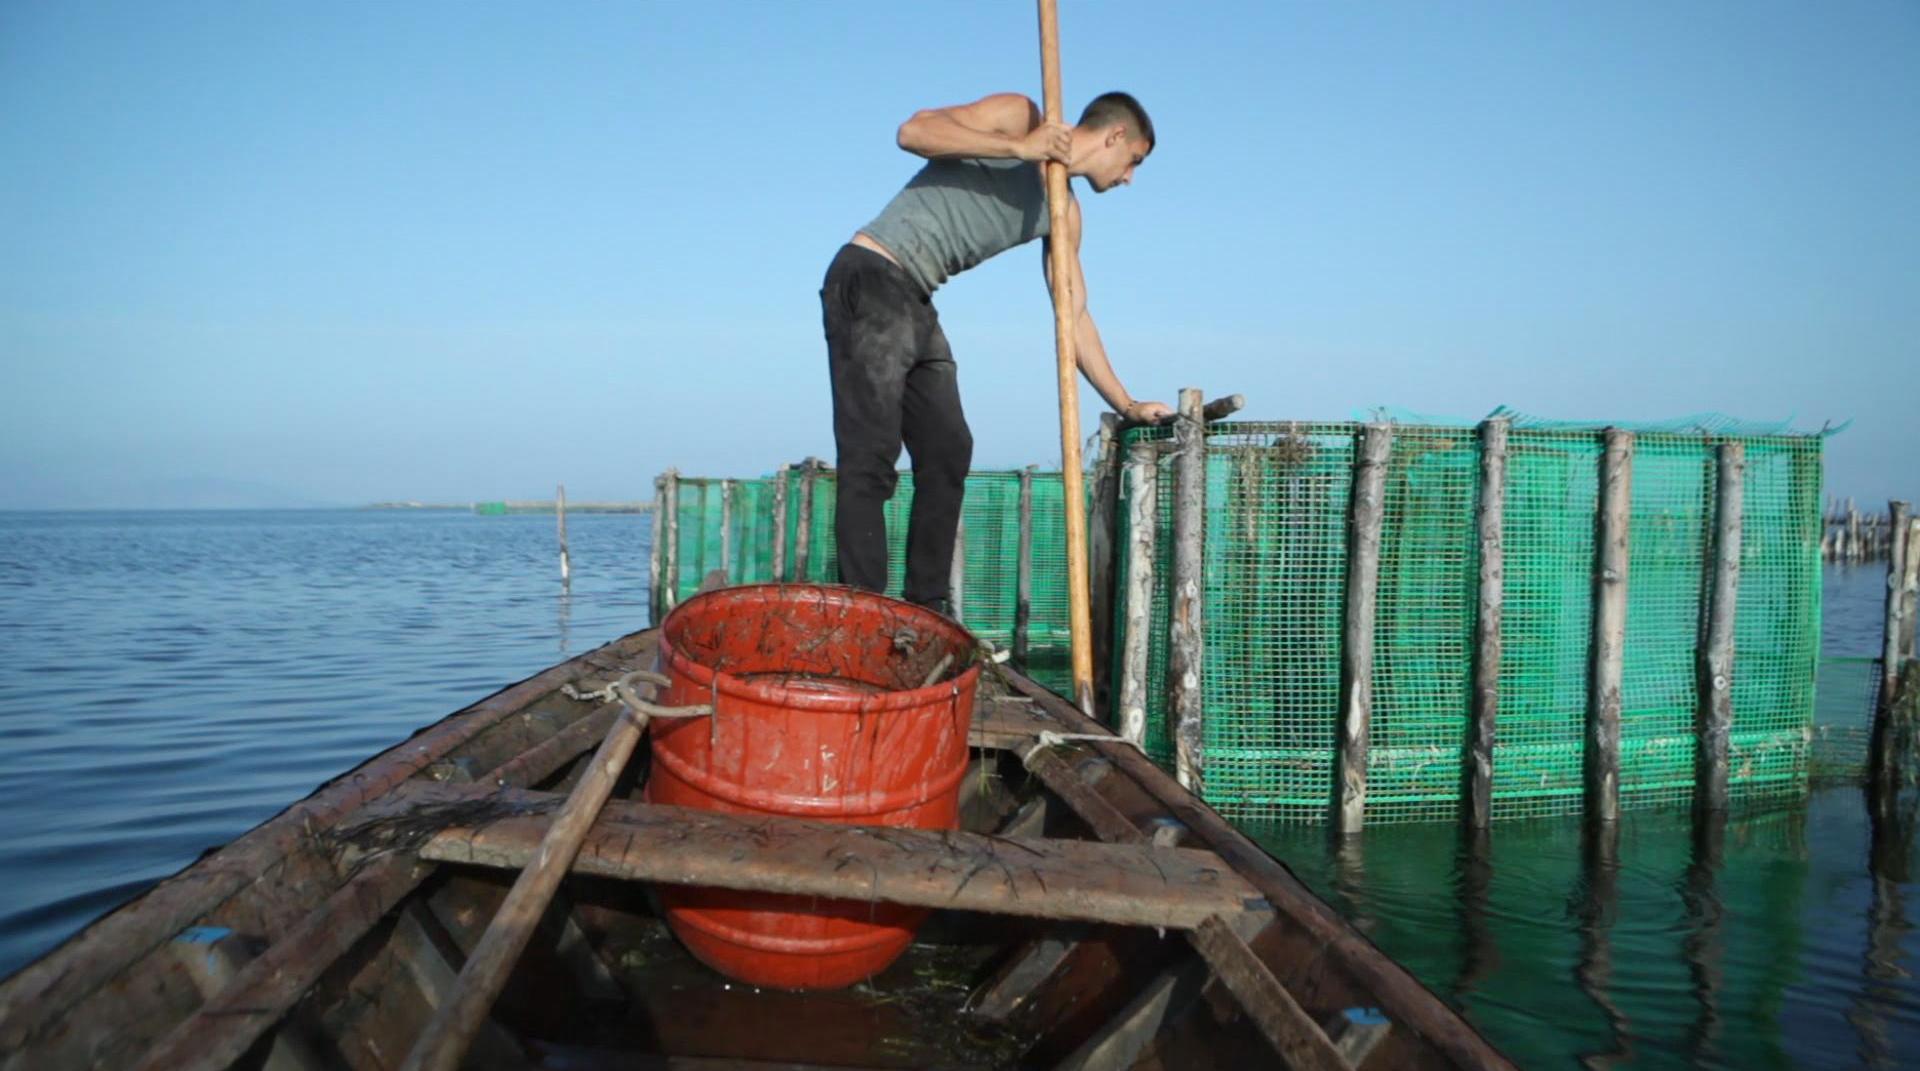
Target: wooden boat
column 1091, row 914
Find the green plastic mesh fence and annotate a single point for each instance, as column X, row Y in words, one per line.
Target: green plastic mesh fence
column 731, row 524
column 1276, row 564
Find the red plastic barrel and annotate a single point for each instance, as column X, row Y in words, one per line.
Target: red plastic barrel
column 819, row 712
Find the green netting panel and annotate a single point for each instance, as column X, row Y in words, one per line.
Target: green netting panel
column 1423, row 626
column 1546, row 621
column 1275, row 565
column 1777, row 626
column 1274, row 587
column 990, row 515
column 1670, row 539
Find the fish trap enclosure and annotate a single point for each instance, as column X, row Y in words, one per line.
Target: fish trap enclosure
column 780, row 528
column 1339, row 664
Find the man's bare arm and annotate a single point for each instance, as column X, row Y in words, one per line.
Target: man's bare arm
column 1004, row 125
column 1089, row 352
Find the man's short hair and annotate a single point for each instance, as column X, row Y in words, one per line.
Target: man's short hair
column 1110, row 108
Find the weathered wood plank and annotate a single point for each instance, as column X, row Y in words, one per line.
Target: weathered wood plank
column 1295, row 1037
column 1175, row 888
column 262, row 991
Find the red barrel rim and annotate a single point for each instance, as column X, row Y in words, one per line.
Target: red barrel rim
column 725, row 683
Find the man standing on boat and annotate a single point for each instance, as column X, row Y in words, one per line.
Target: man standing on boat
column 981, row 192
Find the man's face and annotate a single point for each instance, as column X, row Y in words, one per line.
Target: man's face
column 1113, row 162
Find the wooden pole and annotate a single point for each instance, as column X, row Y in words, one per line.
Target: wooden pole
column 1894, row 627
column 1073, row 492
column 447, row 1035
column 1366, row 517
column 1023, row 591
column 1883, row 760
column 780, row 525
column 560, row 511
column 1186, row 626
column 726, row 528
column 803, row 536
column 1910, row 588
column 1491, row 523
column 656, row 557
column 957, row 570
column 1101, row 555
column 670, row 558
column 1715, row 720
column 1143, row 515
column 1602, row 760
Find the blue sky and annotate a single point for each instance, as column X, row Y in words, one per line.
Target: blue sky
column 297, row 253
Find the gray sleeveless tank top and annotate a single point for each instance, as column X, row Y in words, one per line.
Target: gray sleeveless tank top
column 957, row 213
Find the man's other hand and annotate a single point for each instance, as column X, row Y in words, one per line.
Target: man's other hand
column 1147, row 413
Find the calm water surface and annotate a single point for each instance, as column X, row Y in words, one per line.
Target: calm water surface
column 169, row 680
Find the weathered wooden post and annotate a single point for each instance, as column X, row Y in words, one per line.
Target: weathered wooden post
column 1714, row 720
column 1910, row 586
column 780, row 525
column 670, row 557
column 1186, row 624
column 1609, row 627
column 656, row 559
column 957, row 571
column 726, row 529
column 1023, row 584
column 1366, row 513
column 1143, row 515
column 1895, row 628
column 560, row 511
column 803, row 536
column 1101, row 556
column 1491, row 523
column 1883, row 757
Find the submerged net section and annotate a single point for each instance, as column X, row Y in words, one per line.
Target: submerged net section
column 1278, row 498
column 730, row 525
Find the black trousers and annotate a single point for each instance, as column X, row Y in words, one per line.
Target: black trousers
column 893, row 384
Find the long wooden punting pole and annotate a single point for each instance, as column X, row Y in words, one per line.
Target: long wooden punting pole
column 1602, row 767
column 1060, row 260
column 1491, row 521
column 1715, row 722
column 444, row 1041
column 1368, row 515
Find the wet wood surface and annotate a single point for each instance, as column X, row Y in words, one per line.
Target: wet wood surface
column 1136, row 885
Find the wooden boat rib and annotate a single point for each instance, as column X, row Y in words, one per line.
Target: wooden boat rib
column 1092, row 914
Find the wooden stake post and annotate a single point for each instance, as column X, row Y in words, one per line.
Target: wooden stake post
column 1060, row 258
column 1715, row 722
column 1491, row 522
column 1602, row 767
column 560, row 509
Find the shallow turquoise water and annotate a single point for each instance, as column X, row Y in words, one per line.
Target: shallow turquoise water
column 169, row 680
